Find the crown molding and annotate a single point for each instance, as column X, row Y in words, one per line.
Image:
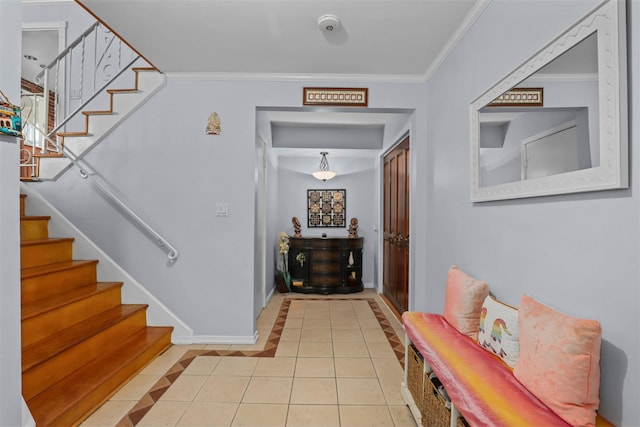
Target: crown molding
column 453, row 41
column 342, row 78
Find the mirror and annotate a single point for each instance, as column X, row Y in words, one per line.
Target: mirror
column 557, row 124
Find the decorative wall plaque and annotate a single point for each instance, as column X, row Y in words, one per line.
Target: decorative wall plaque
column 520, row 96
column 350, row 97
column 326, row 208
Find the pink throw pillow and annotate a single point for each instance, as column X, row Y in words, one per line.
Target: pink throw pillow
column 463, row 300
column 560, row 361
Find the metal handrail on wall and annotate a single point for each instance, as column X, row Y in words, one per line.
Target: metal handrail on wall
column 67, row 78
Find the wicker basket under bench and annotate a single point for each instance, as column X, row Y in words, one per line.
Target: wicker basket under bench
column 429, row 406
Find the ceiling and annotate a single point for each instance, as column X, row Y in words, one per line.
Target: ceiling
column 376, row 40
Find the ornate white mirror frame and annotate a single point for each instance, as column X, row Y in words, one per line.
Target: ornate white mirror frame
column 611, row 170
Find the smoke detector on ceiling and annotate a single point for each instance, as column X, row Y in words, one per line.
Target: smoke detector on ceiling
column 328, row 23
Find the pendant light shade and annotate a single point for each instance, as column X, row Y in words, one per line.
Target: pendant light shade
column 324, row 173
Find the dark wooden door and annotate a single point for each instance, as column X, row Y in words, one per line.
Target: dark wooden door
column 396, row 226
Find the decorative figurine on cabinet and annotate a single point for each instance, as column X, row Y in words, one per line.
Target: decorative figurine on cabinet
column 296, row 226
column 353, row 228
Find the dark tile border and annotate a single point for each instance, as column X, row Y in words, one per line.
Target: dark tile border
column 145, row 404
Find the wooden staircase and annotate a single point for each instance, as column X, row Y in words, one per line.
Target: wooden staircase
column 79, row 343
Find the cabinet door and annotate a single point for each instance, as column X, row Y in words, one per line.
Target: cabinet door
column 396, row 226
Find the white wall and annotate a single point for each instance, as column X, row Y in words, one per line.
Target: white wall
column 577, row 253
column 10, row 372
column 172, row 175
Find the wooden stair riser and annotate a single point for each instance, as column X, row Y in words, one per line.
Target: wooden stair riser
column 46, row 285
column 46, row 324
column 46, row 252
column 62, row 407
column 34, row 228
column 42, row 376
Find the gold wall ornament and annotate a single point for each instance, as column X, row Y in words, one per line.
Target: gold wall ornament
column 213, row 125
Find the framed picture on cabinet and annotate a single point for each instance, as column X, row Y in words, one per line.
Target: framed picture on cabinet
column 326, row 208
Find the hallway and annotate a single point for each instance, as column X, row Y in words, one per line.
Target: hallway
column 319, row 361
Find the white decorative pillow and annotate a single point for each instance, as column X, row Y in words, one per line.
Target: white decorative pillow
column 498, row 331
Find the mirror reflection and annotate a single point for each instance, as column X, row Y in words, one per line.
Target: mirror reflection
column 518, row 141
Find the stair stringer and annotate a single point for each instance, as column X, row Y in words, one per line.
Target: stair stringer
column 83, row 248
column 99, row 126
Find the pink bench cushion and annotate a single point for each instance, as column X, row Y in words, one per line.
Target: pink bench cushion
column 480, row 385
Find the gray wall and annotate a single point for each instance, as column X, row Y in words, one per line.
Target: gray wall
column 577, row 253
column 10, row 372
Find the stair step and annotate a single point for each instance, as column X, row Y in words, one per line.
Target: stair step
column 47, row 361
column 97, row 112
column 45, row 251
column 71, row 400
column 47, row 280
column 47, row 316
column 22, row 206
column 130, row 90
column 78, row 133
column 34, row 227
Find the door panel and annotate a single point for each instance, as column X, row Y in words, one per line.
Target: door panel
column 396, row 226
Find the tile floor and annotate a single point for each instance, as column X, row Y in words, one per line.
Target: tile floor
column 320, row 361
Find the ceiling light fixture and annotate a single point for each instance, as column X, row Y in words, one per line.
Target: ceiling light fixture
column 328, row 23
column 324, row 173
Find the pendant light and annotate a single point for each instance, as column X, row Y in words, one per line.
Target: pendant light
column 324, row 173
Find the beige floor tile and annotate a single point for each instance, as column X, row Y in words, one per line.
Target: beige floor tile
column 247, row 347
column 374, row 335
column 354, row 367
column 388, row 368
column 292, row 322
column 345, row 324
column 236, row 366
column 359, row 391
column 295, row 313
column 165, row 361
column 316, row 323
column 315, row 349
column 391, row 391
column 381, row 350
column 164, row 413
column 314, row 391
column 208, row 414
column 202, row 365
column 365, row 416
column 217, row 347
column 368, row 322
column 223, row 389
column 315, row 335
column 268, row 390
column 315, row 367
column 290, row 334
column 313, row 416
column 401, row 416
column 185, row 388
column 350, row 349
column 260, row 415
column 275, row 367
column 316, row 313
column 349, row 335
column 137, row 387
column 109, row 414
column 287, row 349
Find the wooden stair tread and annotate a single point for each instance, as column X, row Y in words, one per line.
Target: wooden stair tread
column 49, row 406
column 53, row 302
column 122, row 90
column 45, row 241
column 42, row 350
column 52, row 268
column 40, row 155
column 34, row 217
column 136, row 69
column 97, row 112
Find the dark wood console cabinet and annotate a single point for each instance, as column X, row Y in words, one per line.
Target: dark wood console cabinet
column 325, row 265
